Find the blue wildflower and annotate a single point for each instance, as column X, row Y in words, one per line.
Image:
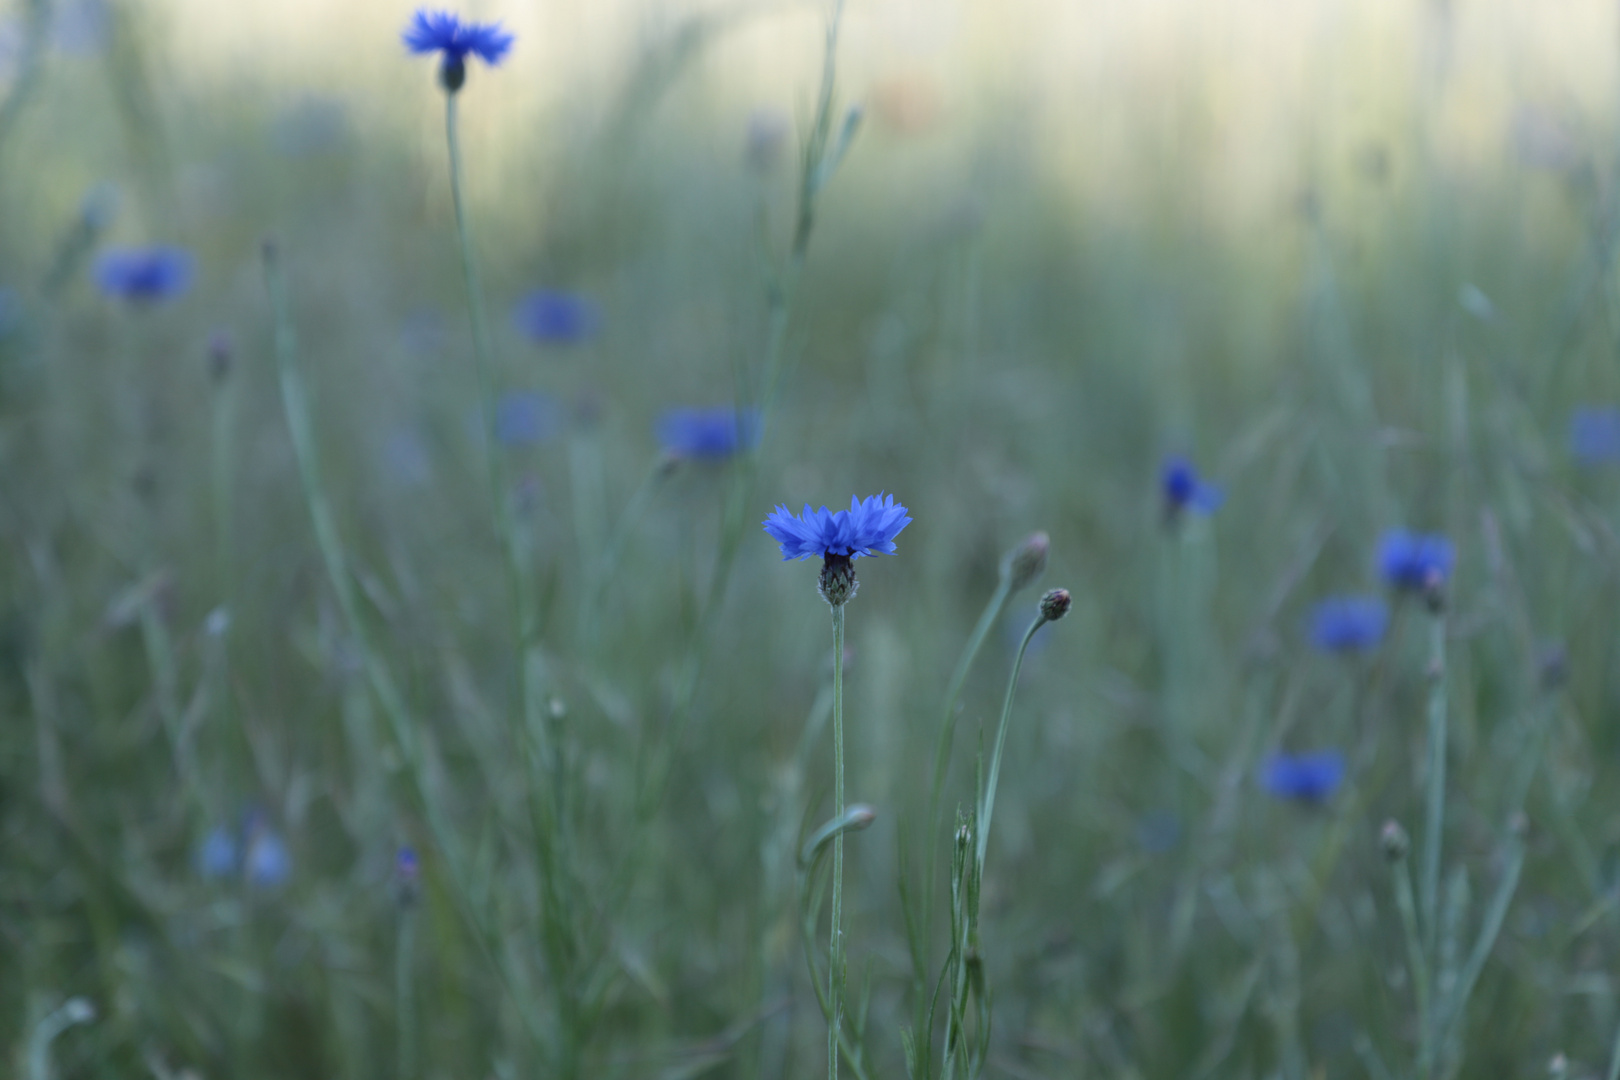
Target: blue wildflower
column 216, row 857
column 144, row 275
column 1409, row 561
column 1185, row 490
column 868, row 527
column 1349, row 623
column 268, row 862
column 1311, row 777
column 444, row 33
column 526, row 417
column 552, row 317
column 1594, row 435
column 708, row 433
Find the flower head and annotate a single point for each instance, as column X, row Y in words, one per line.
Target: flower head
column 216, row 856
column 1348, row 623
column 268, row 863
column 868, row 527
column 1185, row 490
column 1412, row 562
column 550, row 317
column 144, row 275
column 1594, row 435
column 444, row 33
column 708, row 434
column 1311, row 777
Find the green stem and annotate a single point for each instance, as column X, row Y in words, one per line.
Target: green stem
column 1429, row 884
column 1416, row 961
column 835, row 951
column 405, row 993
column 987, row 798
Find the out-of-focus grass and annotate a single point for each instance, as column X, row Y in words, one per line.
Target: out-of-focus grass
column 1064, row 244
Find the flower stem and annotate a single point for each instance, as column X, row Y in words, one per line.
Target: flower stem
column 987, row 798
column 835, row 950
column 404, row 995
column 1429, row 884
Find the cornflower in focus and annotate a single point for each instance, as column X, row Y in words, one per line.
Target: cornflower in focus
column 144, row 275
column 1185, row 490
column 1412, row 562
column 1594, row 435
column 868, row 527
column 708, row 434
column 443, row 33
column 550, row 317
column 1310, row 777
column 1349, row 623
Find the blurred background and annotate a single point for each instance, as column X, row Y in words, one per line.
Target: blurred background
column 287, row 791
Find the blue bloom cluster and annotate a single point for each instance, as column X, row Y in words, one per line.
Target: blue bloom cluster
column 257, row 852
column 868, row 527
column 444, row 33
column 708, row 434
column 1349, row 623
column 1184, row 489
column 1410, row 561
column 144, row 275
column 1594, row 435
column 1310, row 777
column 552, row 317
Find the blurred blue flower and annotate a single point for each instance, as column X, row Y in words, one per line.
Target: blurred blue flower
column 1408, row 560
column 1594, row 435
column 444, row 33
column 1349, row 623
column 551, row 317
column 216, row 857
column 144, row 275
column 82, row 27
column 526, row 417
column 1311, row 777
column 868, row 527
column 1184, row 490
column 708, row 433
column 268, row 862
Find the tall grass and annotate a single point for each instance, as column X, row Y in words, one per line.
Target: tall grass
column 275, row 577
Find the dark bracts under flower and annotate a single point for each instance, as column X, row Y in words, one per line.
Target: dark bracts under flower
column 444, row 33
column 708, row 434
column 868, row 527
column 1185, row 490
column 1349, row 623
column 144, row 275
column 1413, row 562
column 550, row 317
column 1311, row 777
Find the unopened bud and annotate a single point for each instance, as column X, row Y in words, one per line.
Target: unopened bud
column 1434, row 591
column 407, row 877
column 1055, row 604
column 1394, row 842
column 837, row 584
column 452, row 74
column 855, row 817
column 1026, row 562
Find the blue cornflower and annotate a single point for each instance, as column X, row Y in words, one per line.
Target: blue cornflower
column 551, row 317
column 1184, row 490
column 268, row 862
column 216, row 856
column 1349, row 623
column 526, row 417
column 444, row 33
column 144, row 275
column 1311, row 777
column 1594, row 435
column 1409, row 561
column 868, row 527
column 708, row 433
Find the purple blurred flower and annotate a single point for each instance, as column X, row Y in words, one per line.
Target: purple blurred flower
column 708, row 433
column 526, row 417
column 1408, row 561
column 551, row 317
column 1349, row 623
column 144, row 275
column 1310, row 777
column 1184, row 490
column 1594, row 435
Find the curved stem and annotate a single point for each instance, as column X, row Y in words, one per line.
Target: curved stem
column 1436, row 783
column 987, row 799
